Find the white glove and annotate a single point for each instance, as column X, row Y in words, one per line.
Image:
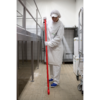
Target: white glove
column 44, row 18
column 46, row 43
column 43, row 23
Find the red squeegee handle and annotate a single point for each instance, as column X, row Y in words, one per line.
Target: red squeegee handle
column 48, row 91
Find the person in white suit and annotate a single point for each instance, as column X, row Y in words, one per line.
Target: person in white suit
column 55, row 33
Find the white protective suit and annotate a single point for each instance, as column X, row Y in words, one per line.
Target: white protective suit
column 55, row 33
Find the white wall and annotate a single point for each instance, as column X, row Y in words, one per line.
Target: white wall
column 65, row 7
column 68, row 8
column 79, row 5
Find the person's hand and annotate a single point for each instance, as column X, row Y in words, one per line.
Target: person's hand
column 44, row 18
column 46, row 43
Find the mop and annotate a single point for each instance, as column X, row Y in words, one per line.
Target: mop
column 48, row 91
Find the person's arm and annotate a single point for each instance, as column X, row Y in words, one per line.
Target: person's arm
column 56, row 40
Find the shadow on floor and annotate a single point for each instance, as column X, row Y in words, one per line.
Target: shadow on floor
column 67, row 62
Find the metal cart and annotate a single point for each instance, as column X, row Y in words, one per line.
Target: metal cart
column 80, row 50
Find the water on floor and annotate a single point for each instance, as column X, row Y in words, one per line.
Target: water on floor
column 67, row 89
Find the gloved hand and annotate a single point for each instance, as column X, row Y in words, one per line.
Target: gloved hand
column 43, row 23
column 46, row 43
column 44, row 18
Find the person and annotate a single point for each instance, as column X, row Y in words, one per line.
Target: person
column 55, row 33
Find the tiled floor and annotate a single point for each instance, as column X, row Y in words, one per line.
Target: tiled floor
column 67, row 89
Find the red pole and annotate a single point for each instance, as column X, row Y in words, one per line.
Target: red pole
column 48, row 91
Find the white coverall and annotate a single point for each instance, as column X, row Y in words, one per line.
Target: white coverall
column 55, row 33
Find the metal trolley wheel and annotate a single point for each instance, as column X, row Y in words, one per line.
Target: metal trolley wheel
column 77, row 77
column 79, row 87
column 82, row 92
